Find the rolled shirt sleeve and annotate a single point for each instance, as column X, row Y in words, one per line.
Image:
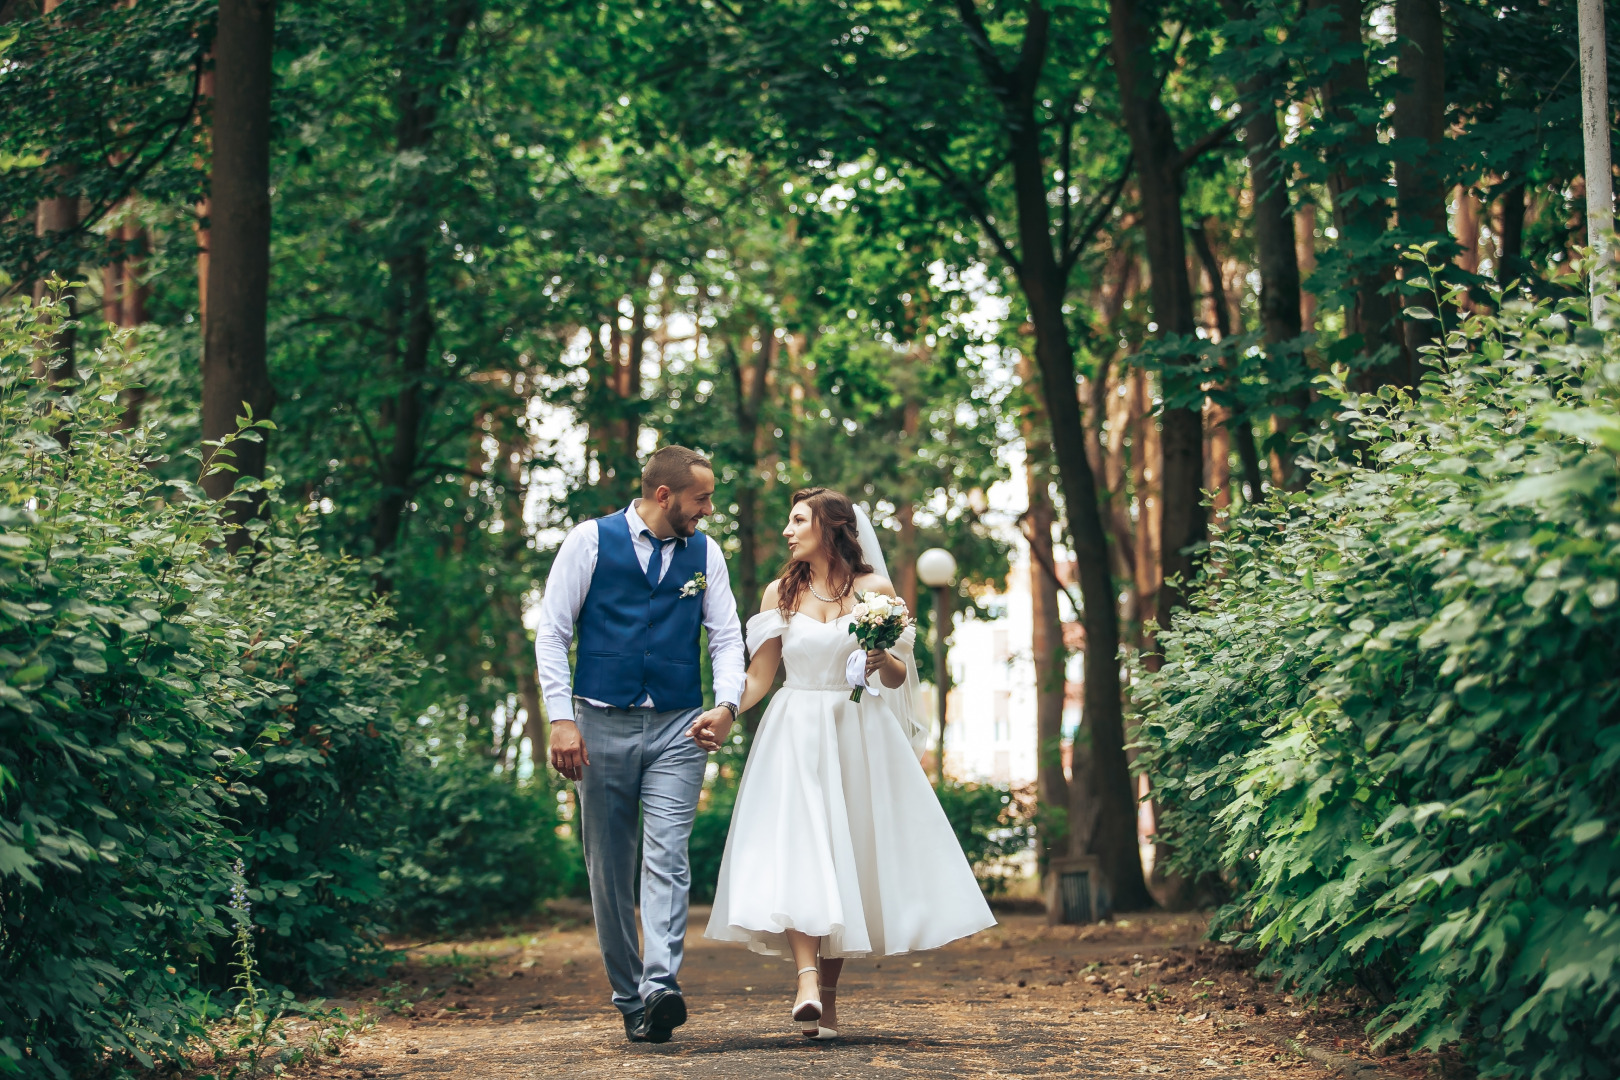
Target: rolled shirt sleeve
column 725, row 631
column 566, row 588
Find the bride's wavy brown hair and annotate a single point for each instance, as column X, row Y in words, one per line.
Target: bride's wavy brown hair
column 834, row 514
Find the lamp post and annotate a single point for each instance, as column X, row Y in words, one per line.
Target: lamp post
column 936, row 568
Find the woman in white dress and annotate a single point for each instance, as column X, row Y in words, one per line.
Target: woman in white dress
column 838, row 846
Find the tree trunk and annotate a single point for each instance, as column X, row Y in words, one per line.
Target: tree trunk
column 204, row 209
column 1510, row 262
column 1305, row 253
column 749, row 384
column 1420, row 125
column 1597, row 129
column 1113, row 377
column 1277, row 260
column 1468, row 226
column 418, row 102
column 1158, row 172
column 1217, row 480
column 1145, row 465
column 1237, row 424
column 1283, row 305
column 112, row 284
column 1112, row 832
column 132, row 310
column 905, row 514
column 1284, row 473
column 1052, row 787
column 507, row 421
column 410, row 274
column 1360, row 210
column 53, row 218
column 234, row 364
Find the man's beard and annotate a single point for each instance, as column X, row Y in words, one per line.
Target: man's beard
column 680, row 522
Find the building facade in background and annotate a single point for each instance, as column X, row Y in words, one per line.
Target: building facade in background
column 990, row 718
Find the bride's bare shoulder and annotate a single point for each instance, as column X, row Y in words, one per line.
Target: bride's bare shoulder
column 772, row 596
column 874, row 583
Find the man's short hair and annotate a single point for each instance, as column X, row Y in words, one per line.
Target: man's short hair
column 671, row 467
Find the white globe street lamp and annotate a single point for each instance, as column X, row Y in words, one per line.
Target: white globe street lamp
column 936, row 568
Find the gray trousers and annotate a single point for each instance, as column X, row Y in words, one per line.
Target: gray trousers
column 640, row 759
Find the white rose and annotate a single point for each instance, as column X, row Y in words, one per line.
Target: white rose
column 860, row 611
column 880, row 606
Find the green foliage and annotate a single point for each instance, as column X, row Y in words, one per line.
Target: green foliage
column 479, row 848
column 331, row 738
column 993, row 825
column 1394, row 720
column 176, row 723
column 122, row 757
column 113, row 113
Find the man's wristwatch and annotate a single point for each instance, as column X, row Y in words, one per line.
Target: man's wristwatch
column 729, row 705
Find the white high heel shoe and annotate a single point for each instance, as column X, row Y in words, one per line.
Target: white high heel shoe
column 809, row 1008
column 816, row 1031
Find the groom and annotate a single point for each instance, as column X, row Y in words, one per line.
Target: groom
column 636, row 587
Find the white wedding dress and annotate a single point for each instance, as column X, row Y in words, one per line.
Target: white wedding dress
column 836, row 831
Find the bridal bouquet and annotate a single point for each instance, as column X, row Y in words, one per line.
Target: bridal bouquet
column 879, row 622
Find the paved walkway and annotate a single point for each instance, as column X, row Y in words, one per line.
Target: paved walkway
column 1019, row 1000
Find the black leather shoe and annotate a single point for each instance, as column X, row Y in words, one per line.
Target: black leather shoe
column 635, row 1026
column 666, row 1011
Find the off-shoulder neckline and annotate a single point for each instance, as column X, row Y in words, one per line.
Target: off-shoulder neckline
column 819, row 622
column 828, row 622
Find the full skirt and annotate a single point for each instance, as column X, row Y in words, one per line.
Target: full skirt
column 837, row 833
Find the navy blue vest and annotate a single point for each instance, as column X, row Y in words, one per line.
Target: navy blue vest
column 634, row 640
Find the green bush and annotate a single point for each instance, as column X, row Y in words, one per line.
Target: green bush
column 120, row 756
column 1391, row 721
column 993, row 825
column 476, row 848
column 329, row 747
column 165, row 710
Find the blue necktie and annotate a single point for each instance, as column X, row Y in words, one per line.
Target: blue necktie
column 655, row 563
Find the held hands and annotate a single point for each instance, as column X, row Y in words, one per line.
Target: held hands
column 568, row 754
column 712, row 729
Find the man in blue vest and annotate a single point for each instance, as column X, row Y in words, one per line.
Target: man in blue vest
column 631, row 591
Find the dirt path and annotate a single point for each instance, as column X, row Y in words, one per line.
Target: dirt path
column 1019, row 1000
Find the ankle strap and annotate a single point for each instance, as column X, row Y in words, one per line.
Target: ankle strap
column 802, row 970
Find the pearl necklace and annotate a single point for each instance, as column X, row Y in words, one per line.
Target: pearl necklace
column 839, row 600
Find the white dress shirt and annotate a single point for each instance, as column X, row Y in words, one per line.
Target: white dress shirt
column 570, row 581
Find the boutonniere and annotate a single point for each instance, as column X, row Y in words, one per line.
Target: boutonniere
column 695, row 586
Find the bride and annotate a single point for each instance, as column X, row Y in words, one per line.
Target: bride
column 838, row 846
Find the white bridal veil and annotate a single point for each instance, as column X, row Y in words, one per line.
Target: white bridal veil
column 906, row 702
